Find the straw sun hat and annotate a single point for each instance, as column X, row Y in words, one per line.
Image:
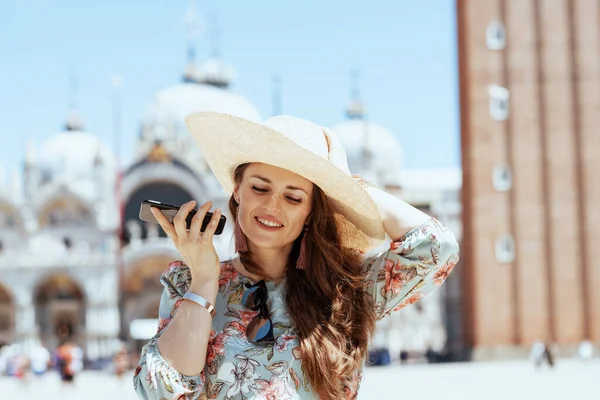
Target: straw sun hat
column 296, row 145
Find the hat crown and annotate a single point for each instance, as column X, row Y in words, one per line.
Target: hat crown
column 314, row 138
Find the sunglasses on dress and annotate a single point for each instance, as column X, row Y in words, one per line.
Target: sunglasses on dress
column 260, row 329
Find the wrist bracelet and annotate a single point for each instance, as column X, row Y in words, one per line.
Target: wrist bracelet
column 201, row 301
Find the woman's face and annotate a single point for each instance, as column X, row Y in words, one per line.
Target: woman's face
column 273, row 205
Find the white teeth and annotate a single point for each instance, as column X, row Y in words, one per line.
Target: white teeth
column 268, row 223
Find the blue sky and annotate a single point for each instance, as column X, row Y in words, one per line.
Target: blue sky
column 405, row 51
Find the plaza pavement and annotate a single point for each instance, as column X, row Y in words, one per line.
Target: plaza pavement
column 512, row 380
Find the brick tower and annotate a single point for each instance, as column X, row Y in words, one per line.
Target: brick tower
column 530, row 126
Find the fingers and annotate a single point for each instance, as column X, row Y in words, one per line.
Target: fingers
column 179, row 220
column 178, row 229
column 197, row 220
column 164, row 223
column 209, row 232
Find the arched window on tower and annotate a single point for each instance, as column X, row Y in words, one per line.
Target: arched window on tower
column 498, row 102
column 495, row 36
column 502, row 178
column 505, row 249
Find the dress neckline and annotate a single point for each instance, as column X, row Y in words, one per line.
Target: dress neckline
column 271, row 284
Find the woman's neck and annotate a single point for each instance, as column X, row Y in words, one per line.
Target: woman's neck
column 272, row 261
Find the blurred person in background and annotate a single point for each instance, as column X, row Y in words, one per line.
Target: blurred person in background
column 585, row 350
column 63, row 359
column 69, row 361
column 292, row 315
column 540, row 352
column 121, row 362
column 40, row 359
column 537, row 353
column 15, row 362
column 22, row 366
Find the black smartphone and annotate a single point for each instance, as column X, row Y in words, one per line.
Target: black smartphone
column 170, row 211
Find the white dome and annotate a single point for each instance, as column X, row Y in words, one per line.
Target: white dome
column 385, row 163
column 172, row 105
column 73, row 155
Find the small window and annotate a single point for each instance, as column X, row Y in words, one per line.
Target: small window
column 502, row 178
column 67, row 242
column 505, row 249
column 498, row 102
column 495, row 36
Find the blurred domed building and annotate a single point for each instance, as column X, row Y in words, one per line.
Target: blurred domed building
column 58, row 245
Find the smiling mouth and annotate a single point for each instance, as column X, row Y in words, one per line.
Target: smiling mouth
column 268, row 224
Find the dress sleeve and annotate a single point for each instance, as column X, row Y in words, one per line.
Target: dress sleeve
column 154, row 378
column 414, row 266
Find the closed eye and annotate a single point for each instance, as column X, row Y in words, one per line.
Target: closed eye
column 260, row 190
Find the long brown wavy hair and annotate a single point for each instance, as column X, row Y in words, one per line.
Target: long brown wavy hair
column 332, row 313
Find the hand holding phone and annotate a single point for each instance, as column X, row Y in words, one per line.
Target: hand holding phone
column 196, row 248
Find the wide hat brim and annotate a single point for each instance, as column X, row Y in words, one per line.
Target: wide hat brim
column 227, row 142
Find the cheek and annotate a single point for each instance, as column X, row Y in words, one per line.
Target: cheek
column 243, row 211
column 248, row 201
column 299, row 217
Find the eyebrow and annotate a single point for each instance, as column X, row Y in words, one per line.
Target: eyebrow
column 262, row 178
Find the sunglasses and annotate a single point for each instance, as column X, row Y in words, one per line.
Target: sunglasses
column 260, row 329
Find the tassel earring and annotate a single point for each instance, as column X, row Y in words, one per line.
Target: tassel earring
column 240, row 239
column 301, row 263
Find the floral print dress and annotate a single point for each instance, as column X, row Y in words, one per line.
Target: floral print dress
column 237, row 369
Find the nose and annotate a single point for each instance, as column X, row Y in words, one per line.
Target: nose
column 273, row 203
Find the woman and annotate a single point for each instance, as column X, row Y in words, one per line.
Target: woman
column 291, row 317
